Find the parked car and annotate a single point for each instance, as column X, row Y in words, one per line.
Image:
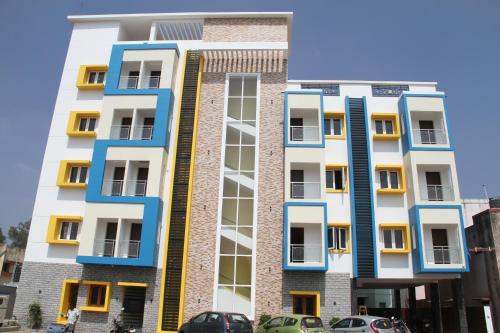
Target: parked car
column 363, row 324
column 55, row 328
column 292, row 324
column 217, row 322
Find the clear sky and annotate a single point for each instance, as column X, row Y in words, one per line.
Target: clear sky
column 453, row 42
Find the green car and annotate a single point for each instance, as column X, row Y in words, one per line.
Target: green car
column 292, row 324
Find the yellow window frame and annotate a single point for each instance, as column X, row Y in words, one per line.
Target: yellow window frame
column 336, row 115
column 315, row 294
column 64, row 170
column 394, row 117
column 93, row 308
column 401, row 178
column 74, row 124
column 333, row 167
column 347, row 226
column 133, row 284
column 83, row 76
column 64, row 300
column 406, row 237
column 54, row 227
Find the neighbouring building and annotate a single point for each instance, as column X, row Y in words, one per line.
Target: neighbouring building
column 185, row 173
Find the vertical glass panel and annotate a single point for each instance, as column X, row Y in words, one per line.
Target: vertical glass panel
column 246, row 191
column 232, row 157
column 388, row 127
column 245, row 240
column 329, row 179
column 387, row 239
column 337, row 126
column 245, row 212
column 233, row 134
column 234, row 108
column 248, row 137
column 228, row 240
column 230, row 185
column 328, row 129
column 383, row 179
column 235, row 85
column 242, row 300
column 394, row 180
column 247, row 158
column 250, row 88
column 339, row 180
column 249, row 108
column 225, row 298
column 226, row 270
column 398, row 238
column 330, row 238
column 379, row 128
column 343, row 238
column 243, row 270
column 229, row 211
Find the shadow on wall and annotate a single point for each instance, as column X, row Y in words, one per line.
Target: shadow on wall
column 386, row 146
column 390, row 201
column 89, row 95
column 70, row 194
column 395, row 261
column 80, row 143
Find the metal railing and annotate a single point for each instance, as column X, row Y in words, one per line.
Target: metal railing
column 143, row 133
column 305, row 253
column 115, row 188
column 305, row 190
column 104, row 247
column 150, row 82
column 430, row 136
column 304, row 133
column 120, row 132
column 129, row 249
column 438, row 193
column 443, row 255
column 128, row 82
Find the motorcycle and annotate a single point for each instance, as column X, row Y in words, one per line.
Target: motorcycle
column 399, row 326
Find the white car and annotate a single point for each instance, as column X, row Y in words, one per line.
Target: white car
column 367, row 324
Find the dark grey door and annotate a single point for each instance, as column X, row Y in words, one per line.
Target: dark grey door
column 297, row 184
column 110, row 239
column 117, row 183
column 440, row 246
column 297, row 130
column 297, row 244
column 434, row 186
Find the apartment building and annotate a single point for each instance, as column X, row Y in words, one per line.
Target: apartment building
column 185, row 173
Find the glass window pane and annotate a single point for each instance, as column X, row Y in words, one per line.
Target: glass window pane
column 100, row 77
column 394, row 179
column 83, row 124
column 330, row 238
column 398, row 238
column 73, row 174
column 64, row 230
column 228, row 240
column 249, row 108
column 379, row 127
column 242, row 300
column 232, row 157
column 245, row 240
column 92, row 77
column 339, row 181
column 83, row 174
column 388, row 127
column 91, row 126
column 250, row 86
column 234, row 108
column 337, row 126
column 247, row 158
column 328, row 129
column 329, row 179
column 383, row 179
column 225, row 298
column 235, row 86
column 230, row 185
column 245, row 212
column 387, row 239
column 233, row 133
column 246, row 191
column 74, row 231
column 343, row 238
column 248, row 136
column 229, row 212
column 243, row 270
column 336, row 235
column 226, row 269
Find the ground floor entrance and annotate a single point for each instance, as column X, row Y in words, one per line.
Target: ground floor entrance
column 133, row 306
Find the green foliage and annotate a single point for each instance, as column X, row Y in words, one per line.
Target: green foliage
column 2, row 237
column 333, row 321
column 18, row 235
column 35, row 315
column 264, row 318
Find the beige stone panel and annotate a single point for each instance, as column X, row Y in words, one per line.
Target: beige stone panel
column 245, row 30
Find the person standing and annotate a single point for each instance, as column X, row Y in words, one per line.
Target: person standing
column 72, row 316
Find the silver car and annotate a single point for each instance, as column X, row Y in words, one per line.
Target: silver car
column 368, row 324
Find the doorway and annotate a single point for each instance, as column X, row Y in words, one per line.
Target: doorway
column 297, row 244
column 133, row 306
column 305, row 304
column 440, row 246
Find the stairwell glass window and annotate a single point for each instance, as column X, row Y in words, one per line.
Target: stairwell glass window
column 78, row 174
column 337, row 238
column 69, row 230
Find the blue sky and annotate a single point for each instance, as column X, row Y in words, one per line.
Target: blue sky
column 453, row 42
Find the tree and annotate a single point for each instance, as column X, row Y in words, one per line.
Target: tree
column 18, row 235
column 2, row 237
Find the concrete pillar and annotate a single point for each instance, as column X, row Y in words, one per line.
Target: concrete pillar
column 412, row 304
column 354, row 297
column 397, row 302
column 459, row 305
column 437, row 322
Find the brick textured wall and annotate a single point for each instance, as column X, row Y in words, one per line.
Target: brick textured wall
column 245, row 30
column 205, row 197
column 42, row 282
column 335, row 290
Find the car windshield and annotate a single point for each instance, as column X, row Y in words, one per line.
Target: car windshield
column 237, row 318
column 312, row 322
column 382, row 323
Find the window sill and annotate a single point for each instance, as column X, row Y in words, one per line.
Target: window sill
column 72, row 185
column 391, row 191
column 386, row 137
column 77, row 134
column 90, row 308
column 335, row 137
column 339, row 251
column 395, row 251
column 64, row 242
column 331, row 190
column 90, row 86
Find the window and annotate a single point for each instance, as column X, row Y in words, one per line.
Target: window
column 69, row 230
column 338, row 238
column 290, row 321
column 336, row 178
column 384, row 127
column 356, row 322
column 393, row 239
column 69, row 297
column 276, row 322
column 305, row 302
column 97, row 295
column 78, row 174
column 334, row 125
column 389, row 179
column 345, row 323
column 87, row 124
column 200, row 319
column 96, row 77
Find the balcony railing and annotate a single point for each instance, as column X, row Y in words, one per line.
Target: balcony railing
column 104, row 247
column 438, row 193
column 305, row 190
column 443, row 255
column 150, row 82
column 120, row 132
column 129, row 249
column 429, row 137
column 128, row 82
column 304, row 133
column 306, row 253
column 114, row 188
column 143, row 133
